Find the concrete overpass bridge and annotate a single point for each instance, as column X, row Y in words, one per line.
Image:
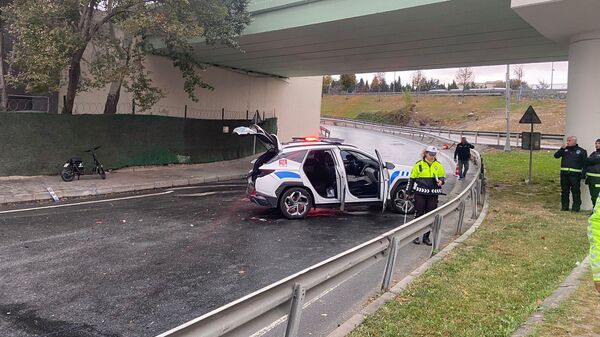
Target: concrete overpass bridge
column 290, row 38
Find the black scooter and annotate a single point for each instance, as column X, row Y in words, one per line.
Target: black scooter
column 74, row 166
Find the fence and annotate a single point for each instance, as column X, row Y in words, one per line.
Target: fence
column 286, row 300
column 28, row 103
column 517, row 93
column 480, row 137
column 183, row 111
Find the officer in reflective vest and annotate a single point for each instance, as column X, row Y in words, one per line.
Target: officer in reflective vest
column 572, row 163
column 592, row 173
column 425, row 183
column 594, row 237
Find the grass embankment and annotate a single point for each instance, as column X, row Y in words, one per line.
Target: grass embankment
column 577, row 316
column 491, row 284
column 484, row 113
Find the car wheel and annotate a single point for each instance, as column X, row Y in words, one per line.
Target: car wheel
column 295, row 203
column 399, row 203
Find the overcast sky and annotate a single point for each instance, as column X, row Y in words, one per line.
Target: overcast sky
column 532, row 74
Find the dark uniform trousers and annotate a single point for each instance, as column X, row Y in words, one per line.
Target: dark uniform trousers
column 594, row 185
column 425, row 204
column 570, row 182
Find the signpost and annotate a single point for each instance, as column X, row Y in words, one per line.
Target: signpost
column 530, row 117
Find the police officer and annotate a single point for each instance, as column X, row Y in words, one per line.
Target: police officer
column 594, row 237
column 571, row 172
column 425, row 183
column 592, row 172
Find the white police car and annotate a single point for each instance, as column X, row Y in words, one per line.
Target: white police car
column 313, row 172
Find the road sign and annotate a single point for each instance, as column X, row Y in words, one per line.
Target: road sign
column 530, row 117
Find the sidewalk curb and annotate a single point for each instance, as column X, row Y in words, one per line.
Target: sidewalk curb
column 564, row 291
column 95, row 191
column 353, row 322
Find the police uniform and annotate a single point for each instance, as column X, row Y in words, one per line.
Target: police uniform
column 594, row 238
column 572, row 162
column 423, row 185
column 592, row 172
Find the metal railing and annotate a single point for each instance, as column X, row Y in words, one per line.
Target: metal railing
column 447, row 134
column 28, row 103
column 183, row 111
column 283, row 300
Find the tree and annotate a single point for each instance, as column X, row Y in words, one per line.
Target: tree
column 348, row 82
column 3, row 93
column 453, row 85
column 52, row 36
column 418, row 81
column 375, row 84
column 327, row 82
column 360, row 87
column 464, row 77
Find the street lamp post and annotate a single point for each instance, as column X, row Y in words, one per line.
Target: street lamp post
column 507, row 96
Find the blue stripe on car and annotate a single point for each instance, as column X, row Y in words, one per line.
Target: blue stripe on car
column 394, row 176
column 286, row 174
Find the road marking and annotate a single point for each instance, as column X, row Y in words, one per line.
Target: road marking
column 205, row 186
column 206, row 193
column 86, row 202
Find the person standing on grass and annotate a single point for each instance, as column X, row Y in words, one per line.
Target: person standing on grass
column 462, row 153
column 425, row 184
column 572, row 162
column 594, row 237
column 592, row 173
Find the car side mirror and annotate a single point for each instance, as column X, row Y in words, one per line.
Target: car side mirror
column 389, row 166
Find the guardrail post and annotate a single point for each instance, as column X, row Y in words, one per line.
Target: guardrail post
column 449, row 134
column 498, row 138
column 474, row 202
column 295, row 311
column 390, row 264
column 437, row 233
column 476, row 134
column 479, row 199
column 461, row 217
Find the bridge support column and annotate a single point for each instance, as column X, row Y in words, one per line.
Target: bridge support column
column 583, row 100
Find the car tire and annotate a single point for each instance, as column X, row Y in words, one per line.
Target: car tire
column 295, row 203
column 398, row 202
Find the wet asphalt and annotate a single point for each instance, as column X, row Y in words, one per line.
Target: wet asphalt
column 139, row 267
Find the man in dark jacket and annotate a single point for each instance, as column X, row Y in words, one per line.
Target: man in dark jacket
column 592, row 172
column 462, row 153
column 572, row 163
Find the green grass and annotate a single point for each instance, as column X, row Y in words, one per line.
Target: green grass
column 577, row 316
column 472, row 113
column 492, row 283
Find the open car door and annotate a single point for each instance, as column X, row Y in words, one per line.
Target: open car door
column 269, row 140
column 384, row 179
column 342, row 183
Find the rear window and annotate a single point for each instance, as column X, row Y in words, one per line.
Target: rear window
column 297, row 156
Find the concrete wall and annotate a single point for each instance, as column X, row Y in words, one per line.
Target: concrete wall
column 296, row 102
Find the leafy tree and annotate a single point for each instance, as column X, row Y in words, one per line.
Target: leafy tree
column 375, row 84
column 383, row 86
column 327, row 81
column 453, row 85
column 348, row 82
column 360, row 87
column 52, row 36
column 3, row 94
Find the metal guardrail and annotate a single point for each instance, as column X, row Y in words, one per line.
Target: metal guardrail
column 283, row 300
column 448, row 133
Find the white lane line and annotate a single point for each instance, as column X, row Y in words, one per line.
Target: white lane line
column 86, row 202
column 282, row 319
column 207, row 186
column 196, row 194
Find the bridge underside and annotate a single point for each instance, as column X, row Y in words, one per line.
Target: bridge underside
column 424, row 35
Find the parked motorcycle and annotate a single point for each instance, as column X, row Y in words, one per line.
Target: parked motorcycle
column 74, row 167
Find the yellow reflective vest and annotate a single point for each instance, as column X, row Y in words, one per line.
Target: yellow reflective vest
column 594, row 237
column 424, row 177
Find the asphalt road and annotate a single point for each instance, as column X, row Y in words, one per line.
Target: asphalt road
column 140, row 266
